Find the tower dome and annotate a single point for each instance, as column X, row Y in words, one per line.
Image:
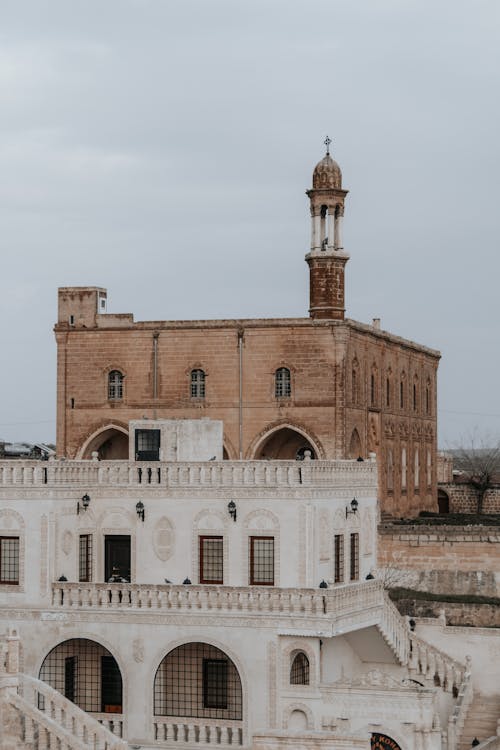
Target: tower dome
column 327, row 174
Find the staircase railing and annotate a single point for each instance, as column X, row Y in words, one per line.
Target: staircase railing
column 52, row 714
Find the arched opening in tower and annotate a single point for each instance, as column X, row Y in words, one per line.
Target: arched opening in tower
column 285, row 444
column 111, row 445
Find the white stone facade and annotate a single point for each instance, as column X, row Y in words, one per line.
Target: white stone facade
column 263, row 657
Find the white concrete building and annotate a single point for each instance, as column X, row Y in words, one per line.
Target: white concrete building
column 204, row 602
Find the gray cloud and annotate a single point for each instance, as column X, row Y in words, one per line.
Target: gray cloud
column 154, row 146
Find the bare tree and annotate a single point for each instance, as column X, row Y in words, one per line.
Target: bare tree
column 480, row 463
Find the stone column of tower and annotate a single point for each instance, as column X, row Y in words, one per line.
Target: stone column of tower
column 327, row 257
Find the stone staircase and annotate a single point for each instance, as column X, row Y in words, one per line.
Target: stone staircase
column 482, row 720
column 34, row 716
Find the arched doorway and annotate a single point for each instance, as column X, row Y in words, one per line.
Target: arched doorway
column 443, row 502
column 111, row 444
column 198, row 680
column 383, row 742
column 285, row 444
column 86, row 673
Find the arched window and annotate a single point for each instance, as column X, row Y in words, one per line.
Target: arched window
column 387, row 392
column 197, row 384
column 86, row 673
column 403, row 469
column 390, row 470
column 355, row 382
column 417, row 469
column 428, row 393
column 373, row 398
column 200, row 681
column 115, row 385
column 415, row 394
column 282, row 383
column 299, row 671
column 402, row 399
column 429, row 468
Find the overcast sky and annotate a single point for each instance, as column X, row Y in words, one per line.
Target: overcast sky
column 162, row 149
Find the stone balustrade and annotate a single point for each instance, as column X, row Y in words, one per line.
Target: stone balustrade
column 458, row 716
column 436, row 666
column 329, row 604
column 395, row 630
column 275, row 474
column 189, row 731
column 52, row 720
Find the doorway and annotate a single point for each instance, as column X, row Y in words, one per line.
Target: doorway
column 116, row 557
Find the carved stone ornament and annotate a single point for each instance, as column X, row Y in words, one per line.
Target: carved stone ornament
column 138, row 649
column 163, row 539
column 67, row 542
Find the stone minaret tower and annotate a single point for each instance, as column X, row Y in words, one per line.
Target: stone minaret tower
column 327, row 257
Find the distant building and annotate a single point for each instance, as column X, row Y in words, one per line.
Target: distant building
column 323, row 384
column 26, row 450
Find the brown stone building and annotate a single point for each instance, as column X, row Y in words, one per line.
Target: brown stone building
column 324, row 384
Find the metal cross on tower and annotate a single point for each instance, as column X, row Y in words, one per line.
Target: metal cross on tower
column 327, row 142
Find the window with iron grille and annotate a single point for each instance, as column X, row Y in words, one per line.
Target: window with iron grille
column 86, row 673
column 85, row 558
column 211, row 559
column 147, row 445
column 197, row 384
column 282, row 383
column 338, row 554
column 261, row 561
column 9, row 560
column 115, row 385
column 198, row 680
column 354, row 561
column 299, row 671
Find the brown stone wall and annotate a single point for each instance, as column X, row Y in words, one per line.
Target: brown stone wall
column 457, row 559
column 391, row 403
column 463, row 498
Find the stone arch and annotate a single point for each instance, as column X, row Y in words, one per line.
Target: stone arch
column 110, row 441
column 291, row 650
column 75, row 667
column 283, row 441
column 355, row 449
column 299, row 708
column 261, row 513
column 210, row 644
column 229, row 452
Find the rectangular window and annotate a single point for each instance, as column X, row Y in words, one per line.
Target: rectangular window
column 147, row 445
column 262, row 561
column 70, row 666
column 211, row 559
column 338, row 552
column 111, row 686
column 85, row 558
column 354, row 561
column 214, row 683
column 9, row 559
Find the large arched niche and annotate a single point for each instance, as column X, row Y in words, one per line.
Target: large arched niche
column 355, row 445
column 110, row 442
column 86, row 673
column 286, row 443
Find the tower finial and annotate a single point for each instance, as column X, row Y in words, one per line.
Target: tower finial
column 327, row 142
